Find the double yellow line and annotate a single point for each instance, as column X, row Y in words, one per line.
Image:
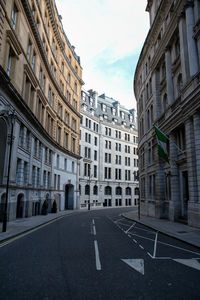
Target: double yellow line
column 28, row 232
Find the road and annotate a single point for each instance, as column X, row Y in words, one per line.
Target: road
column 98, row 255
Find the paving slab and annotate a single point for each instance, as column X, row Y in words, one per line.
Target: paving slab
column 188, row 234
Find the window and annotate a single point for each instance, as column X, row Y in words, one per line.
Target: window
column 95, row 190
column 10, row 62
column 95, row 171
column 73, row 144
column 66, row 140
column 33, row 60
column 118, row 174
column 14, row 17
column 65, row 164
column 108, row 190
column 57, row 161
column 73, row 124
column 107, row 173
column 69, row 78
column 95, row 141
column 72, row 166
column 87, row 189
column 59, row 134
column 128, row 191
column 75, row 87
column 179, row 84
column 118, row 190
column 29, row 50
column 95, row 155
column 67, row 117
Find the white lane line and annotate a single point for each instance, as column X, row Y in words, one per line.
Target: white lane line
column 155, row 245
column 98, row 263
column 135, row 241
column 93, row 222
column 162, row 243
column 129, row 235
column 150, row 255
column 130, row 227
column 94, row 230
column 141, row 247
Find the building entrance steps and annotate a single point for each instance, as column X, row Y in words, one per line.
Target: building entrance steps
column 188, row 234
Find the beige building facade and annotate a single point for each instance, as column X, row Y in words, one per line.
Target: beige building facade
column 40, row 91
column 167, row 89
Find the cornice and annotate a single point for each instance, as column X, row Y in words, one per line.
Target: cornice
column 29, row 72
column 31, row 20
column 12, row 39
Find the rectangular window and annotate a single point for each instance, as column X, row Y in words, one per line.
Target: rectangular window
column 14, row 17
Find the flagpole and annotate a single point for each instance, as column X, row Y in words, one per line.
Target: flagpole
column 169, row 139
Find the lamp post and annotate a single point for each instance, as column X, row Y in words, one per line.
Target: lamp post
column 5, row 216
column 89, row 169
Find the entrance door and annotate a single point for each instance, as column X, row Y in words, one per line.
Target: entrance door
column 69, row 196
column 20, row 206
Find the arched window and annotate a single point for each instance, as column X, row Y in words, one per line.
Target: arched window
column 118, row 190
column 128, row 191
column 87, row 189
column 137, row 191
column 179, row 84
column 108, row 190
column 95, row 190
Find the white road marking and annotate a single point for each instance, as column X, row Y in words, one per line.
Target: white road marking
column 149, row 254
column 94, row 230
column 93, row 222
column 155, row 245
column 141, row 247
column 135, row 241
column 162, row 243
column 98, row 263
column 130, row 227
column 136, row 264
column 193, row 263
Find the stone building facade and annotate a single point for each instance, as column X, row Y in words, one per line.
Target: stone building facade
column 40, row 91
column 167, row 90
column 108, row 146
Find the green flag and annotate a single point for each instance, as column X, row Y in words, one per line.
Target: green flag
column 162, row 141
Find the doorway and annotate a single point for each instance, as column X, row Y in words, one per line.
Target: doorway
column 69, row 196
column 20, row 206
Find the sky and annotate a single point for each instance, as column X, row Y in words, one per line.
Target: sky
column 108, row 35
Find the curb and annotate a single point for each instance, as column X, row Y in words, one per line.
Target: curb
column 163, row 232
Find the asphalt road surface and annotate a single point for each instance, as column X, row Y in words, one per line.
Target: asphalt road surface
column 98, row 255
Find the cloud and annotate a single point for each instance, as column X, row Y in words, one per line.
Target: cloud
column 108, row 36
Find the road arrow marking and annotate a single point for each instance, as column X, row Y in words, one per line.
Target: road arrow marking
column 193, row 263
column 136, row 264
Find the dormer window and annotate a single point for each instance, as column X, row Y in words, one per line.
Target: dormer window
column 104, row 108
column 114, row 111
column 122, row 115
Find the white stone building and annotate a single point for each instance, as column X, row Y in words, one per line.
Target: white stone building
column 108, row 146
column 167, row 91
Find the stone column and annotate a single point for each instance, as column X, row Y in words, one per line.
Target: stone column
column 196, row 10
column 196, row 120
column 192, row 49
column 183, row 49
column 170, row 87
column 174, row 204
column 191, row 160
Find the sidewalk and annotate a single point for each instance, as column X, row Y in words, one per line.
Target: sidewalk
column 188, row 234
column 20, row 226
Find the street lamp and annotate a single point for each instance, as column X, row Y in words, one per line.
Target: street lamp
column 89, row 169
column 5, row 216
